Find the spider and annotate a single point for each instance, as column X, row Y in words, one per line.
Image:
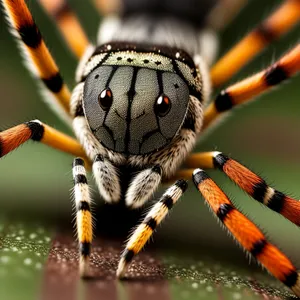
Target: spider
column 141, row 101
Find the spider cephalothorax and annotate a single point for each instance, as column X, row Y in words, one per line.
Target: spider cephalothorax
column 139, row 105
column 135, row 101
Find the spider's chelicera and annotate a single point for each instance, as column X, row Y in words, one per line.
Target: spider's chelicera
column 140, row 103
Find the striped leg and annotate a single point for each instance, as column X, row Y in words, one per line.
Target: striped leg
column 83, row 215
column 251, row 183
column 280, row 22
column 68, row 24
column 253, row 86
column 37, row 55
column 246, row 233
column 257, row 188
column 12, row 138
column 144, row 231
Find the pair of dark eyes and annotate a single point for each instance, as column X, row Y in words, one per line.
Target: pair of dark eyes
column 161, row 107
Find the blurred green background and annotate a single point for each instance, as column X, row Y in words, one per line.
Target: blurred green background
column 35, row 181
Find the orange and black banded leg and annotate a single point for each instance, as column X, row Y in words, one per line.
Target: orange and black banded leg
column 12, row 138
column 257, row 188
column 145, row 230
column 248, row 235
column 68, row 24
column 37, row 55
column 249, row 88
column 83, row 215
column 247, row 180
column 277, row 24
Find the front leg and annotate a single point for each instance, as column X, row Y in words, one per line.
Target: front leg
column 83, row 215
column 145, row 230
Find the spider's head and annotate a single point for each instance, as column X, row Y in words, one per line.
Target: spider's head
column 135, row 101
column 134, row 110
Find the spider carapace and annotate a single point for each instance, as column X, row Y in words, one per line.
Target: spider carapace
column 140, row 102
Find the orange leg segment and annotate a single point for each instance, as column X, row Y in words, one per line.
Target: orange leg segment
column 12, row 138
column 37, row 55
column 253, row 86
column 68, row 24
column 247, row 233
column 224, row 12
column 257, row 188
column 277, row 24
column 247, row 180
column 108, row 7
column 36, row 51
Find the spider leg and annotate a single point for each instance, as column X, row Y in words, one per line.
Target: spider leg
column 108, row 7
column 83, row 215
column 68, row 24
column 12, row 138
column 224, row 12
column 247, row 180
column 247, row 89
column 143, row 185
column 37, row 55
column 154, row 217
column 277, row 24
column 247, row 233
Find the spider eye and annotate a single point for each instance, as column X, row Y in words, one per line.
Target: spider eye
column 162, row 105
column 105, row 99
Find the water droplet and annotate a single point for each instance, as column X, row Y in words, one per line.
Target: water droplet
column 209, row 288
column 38, row 265
column 27, row 261
column 4, row 259
column 195, row 285
column 236, row 296
column 32, row 236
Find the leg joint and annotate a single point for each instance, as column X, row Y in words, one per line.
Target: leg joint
column 37, row 129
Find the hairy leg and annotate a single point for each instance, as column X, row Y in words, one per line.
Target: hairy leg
column 145, row 230
column 37, row 56
column 247, row 234
column 35, row 130
column 83, row 215
column 247, row 180
column 276, row 25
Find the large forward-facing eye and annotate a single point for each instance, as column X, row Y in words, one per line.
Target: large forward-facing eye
column 105, row 99
column 162, row 105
